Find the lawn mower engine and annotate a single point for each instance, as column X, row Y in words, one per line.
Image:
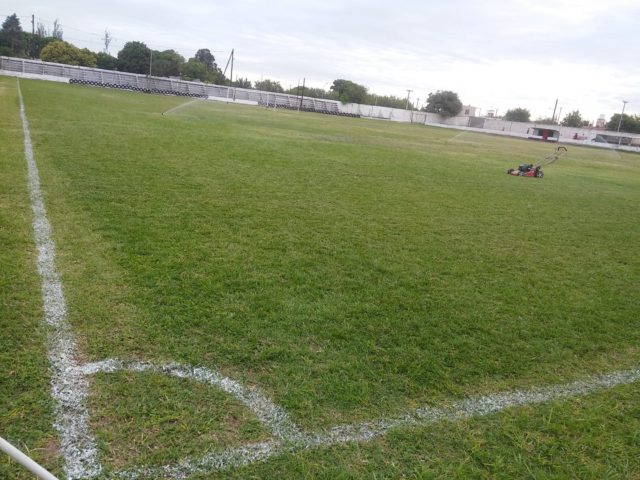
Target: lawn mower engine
column 526, row 170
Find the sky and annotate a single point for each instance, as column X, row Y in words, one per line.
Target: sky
column 494, row 54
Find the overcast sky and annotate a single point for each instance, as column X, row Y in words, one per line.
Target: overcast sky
column 493, row 53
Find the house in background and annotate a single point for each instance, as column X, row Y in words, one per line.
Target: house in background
column 544, row 134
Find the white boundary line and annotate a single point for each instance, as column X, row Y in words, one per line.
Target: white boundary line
column 69, row 385
column 349, row 433
column 271, row 415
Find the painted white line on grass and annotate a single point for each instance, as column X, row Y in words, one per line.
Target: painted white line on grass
column 271, row 415
column 341, row 434
column 68, row 386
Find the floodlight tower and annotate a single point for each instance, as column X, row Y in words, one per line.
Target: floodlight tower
column 624, row 104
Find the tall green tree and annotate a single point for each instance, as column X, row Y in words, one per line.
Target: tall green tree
column 37, row 43
column 205, row 57
column 573, row 119
column 241, row 83
column 213, row 72
column 194, row 70
column 629, row 124
column 166, row 63
column 11, row 35
column 348, row 92
column 517, row 115
column 134, row 58
column 60, row 51
column 267, row 85
column 106, row 61
column 444, row 102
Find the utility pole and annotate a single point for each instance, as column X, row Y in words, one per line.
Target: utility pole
column 33, row 35
column 553, row 117
column 230, row 61
column 302, row 96
column 624, row 104
column 408, row 95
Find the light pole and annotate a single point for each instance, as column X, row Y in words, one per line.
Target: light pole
column 408, row 95
column 624, row 104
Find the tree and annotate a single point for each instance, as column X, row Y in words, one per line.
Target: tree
column 106, row 61
column 267, row 85
column 545, row 121
column 308, row 92
column 443, row 102
column 37, row 43
column 194, row 70
column 390, row 101
column 348, row 92
column 87, row 58
column 41, row 30
column 11, row 35
column 517, row 115
column 241, row 83
column 629, row 124
column 573, row 119
column 107, row 40
column 57, row 30
column 205, row 57
column 212, row 74
column 166, row 64
column 134, row 57
column 59, row 51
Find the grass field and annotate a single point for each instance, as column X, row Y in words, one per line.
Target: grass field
column 350, row 269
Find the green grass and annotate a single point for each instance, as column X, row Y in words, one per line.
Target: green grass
column 25, row 403
column 352, row 269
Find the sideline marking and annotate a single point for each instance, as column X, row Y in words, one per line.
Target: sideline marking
column 69, row 385
column 69, row 388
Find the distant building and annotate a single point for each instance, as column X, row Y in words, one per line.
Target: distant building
column 544, row 134
column 600, row 123
column 468, row 111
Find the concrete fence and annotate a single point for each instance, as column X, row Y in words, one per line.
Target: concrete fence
column 131, row 81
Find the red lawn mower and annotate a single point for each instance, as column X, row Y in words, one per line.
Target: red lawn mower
column 531, row 170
